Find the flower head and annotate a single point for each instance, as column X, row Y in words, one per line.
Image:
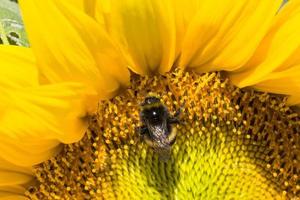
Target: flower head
column 89, row 51
column 231, row 143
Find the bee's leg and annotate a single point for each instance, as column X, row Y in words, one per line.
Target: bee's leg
column 148, row 140
column 173, row 120
column 172, row 136
column 142, row 130
column 177, row 113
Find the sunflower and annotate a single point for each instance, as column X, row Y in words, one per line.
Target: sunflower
column 70, row 102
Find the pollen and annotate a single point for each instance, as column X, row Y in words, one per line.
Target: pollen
column 231, row 144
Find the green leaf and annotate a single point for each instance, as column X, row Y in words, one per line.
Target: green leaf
column 11, row 25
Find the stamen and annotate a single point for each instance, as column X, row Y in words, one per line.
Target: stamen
column 231, row 144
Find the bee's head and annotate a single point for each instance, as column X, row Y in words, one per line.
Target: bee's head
column 150, row 100
column 153, row 110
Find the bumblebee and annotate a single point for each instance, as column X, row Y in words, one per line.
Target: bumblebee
column 157, row 130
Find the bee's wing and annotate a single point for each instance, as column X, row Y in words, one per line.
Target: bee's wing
column 158, row 131
column 160, row 141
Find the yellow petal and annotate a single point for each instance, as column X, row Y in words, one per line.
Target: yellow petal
column 37, row 118
column 72, row 47
column 11, row 175
column 12, row 193
column 224, row 34
column 145, row 31
column 13, row 180
column 98, row 42
column 79, row 4
column 20, row 153
column 21, row 60
column 12, row 197
column 90, row 7
column 283, row 82
column 278, row 52
column 83, row 5
column 184, row 11
column 294, row 100
column 18, row 70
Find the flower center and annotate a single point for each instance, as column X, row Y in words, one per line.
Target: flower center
column 231, row 144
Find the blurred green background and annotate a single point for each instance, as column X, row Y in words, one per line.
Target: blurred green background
column 11, row 27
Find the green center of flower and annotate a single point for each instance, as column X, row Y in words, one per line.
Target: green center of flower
column 231, row 144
